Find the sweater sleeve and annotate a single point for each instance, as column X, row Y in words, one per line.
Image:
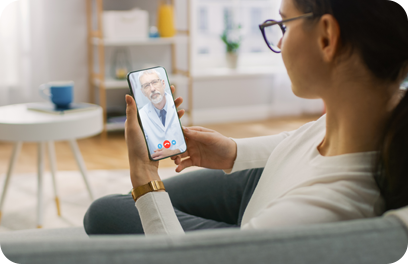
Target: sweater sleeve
column 155, row 209
column 157, row 214
column 401, row 213
column 319, row 203
column 254, row 152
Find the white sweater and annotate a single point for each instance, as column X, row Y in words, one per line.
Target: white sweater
column 298, row 185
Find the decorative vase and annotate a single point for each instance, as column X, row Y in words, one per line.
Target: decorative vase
column 121, row 64
column 232, row 60
column 165, row 21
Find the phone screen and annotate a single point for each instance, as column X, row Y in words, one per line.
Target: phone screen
column 157, row 113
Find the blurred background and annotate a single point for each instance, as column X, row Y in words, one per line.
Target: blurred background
column 213, row 51
column 95, row 43
column 48, row 40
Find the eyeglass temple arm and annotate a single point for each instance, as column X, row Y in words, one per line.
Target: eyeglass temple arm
column 271, row 23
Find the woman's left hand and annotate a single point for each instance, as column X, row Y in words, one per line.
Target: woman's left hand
column 142, row 169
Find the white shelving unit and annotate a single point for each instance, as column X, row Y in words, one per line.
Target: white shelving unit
column 199, row 67
column 138, row 42
column 120, row 84
column 100, row 81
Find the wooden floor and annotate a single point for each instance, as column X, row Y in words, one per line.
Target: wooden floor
column 111, row 154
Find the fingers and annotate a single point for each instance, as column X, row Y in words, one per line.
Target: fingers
column 177, row 160
column 198, row 128
column 131, row 113
column 181, row 113
column 178, row 101
column 199, row 136
column 184, row 155
column 184, row 164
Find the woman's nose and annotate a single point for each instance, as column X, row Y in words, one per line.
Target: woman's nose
column 280, row 44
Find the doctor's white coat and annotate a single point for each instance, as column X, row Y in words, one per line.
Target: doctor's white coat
column 156, row 134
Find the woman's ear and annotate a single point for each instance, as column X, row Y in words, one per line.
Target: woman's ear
column 328, row 37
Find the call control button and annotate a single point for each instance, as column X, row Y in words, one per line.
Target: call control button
column 166, row 144
column 173, row 142
column 160, row 146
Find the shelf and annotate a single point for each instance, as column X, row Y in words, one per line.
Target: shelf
column 120, row 84
column 225, row 73
column 114, row 126
column 140, row 42
column 113, row 84
column 205, row 74
column 101, row 48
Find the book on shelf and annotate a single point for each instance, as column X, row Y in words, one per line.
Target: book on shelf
column 51, row 109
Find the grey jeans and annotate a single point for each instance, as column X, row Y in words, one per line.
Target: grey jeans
column 203, row 199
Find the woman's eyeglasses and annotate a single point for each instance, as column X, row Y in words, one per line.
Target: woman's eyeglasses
column 273, row 31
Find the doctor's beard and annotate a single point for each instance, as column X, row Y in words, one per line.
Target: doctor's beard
column 158, row 99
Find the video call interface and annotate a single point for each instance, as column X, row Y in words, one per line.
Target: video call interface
column 157, row 112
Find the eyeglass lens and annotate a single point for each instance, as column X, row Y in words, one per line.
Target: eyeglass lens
column 154, row 83
column 273, row 35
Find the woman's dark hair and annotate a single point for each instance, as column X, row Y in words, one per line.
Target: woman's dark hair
column 378, row 31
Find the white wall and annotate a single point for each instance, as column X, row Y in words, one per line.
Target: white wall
column 59, row 52
column 59, row 44
column 247, row 99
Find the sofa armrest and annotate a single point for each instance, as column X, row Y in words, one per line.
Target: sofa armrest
column 57, row 233
column 377, row 240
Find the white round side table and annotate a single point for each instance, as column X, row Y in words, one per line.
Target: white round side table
column 18, row 124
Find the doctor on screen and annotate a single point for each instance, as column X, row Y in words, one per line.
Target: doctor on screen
column 159, row 117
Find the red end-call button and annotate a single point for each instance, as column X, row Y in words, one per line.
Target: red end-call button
column 167, row 144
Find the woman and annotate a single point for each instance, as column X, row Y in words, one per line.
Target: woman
column 349, row 164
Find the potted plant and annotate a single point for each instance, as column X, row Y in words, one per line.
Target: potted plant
column 232, row 40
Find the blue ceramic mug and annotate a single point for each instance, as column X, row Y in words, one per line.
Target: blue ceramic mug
column 60, row 93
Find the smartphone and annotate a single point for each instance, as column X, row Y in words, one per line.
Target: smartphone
column 157, row 113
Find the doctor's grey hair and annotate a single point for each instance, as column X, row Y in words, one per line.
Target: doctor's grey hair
column 151, row 71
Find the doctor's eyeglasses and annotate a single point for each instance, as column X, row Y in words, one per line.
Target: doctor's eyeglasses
column 273, row 31
column 155, row 83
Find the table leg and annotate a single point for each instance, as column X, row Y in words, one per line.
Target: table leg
column 14, row 155
column 41, row 147
column 53, row 166
column 81, row 165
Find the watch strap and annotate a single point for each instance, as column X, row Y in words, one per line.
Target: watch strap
column 149, row 187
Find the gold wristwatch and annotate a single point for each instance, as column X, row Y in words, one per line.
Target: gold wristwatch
column 150, row 187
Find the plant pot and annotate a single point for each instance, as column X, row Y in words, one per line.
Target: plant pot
column 232, row 60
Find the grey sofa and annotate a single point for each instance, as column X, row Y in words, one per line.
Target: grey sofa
column 379, row 240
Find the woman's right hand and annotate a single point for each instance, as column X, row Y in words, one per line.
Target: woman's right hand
column 206, row 148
